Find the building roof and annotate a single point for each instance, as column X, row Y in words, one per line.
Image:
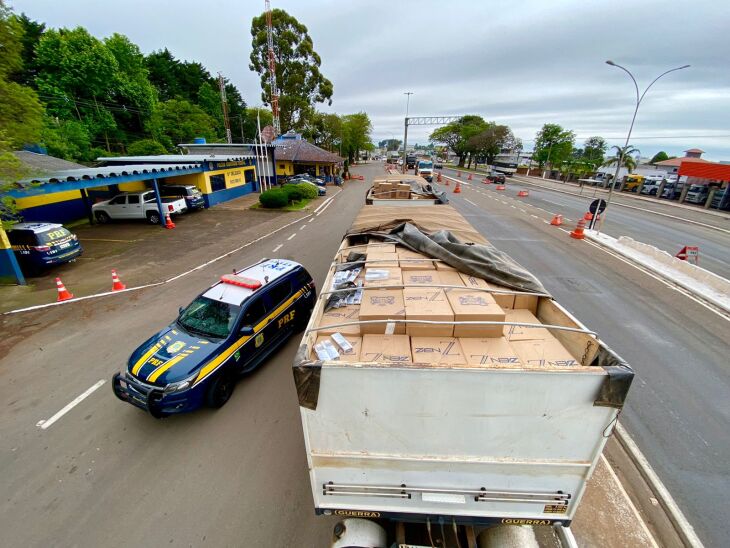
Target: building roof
column 299, row 150
column 676, row 162
column 695, row 150
column 44, row 162
column 174, row 158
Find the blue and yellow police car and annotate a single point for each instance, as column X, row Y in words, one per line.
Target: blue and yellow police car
column 228, row 330
column 41, row 245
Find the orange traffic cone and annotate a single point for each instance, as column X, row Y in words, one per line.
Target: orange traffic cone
column 117, row 284
column 168, row 222
column 469, row 177
column 438, row 177
column 557, row 220
column 485, row 181
column 457, row 188
column 578, row 232
column 588, row 216
column 458, row 173
column 447, row 182
column 63, row 293
column 500, row 187
column 522, row 193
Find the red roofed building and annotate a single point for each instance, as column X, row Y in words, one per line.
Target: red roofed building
column 690, row 155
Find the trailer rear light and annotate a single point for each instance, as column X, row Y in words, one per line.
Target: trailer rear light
column 169, row 207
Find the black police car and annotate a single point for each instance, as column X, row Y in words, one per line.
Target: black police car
column 229, row 329
column 39, row 246
column 193, row 197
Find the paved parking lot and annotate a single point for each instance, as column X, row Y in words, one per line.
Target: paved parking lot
column 143, row 253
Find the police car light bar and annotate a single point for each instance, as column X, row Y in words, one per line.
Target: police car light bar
column 240, row 281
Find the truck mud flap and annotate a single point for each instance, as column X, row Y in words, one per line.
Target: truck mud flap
column 306, row 378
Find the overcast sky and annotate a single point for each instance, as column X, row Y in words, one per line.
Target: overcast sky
column 518, row 63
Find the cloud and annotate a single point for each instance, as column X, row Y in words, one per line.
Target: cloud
column 523, row 64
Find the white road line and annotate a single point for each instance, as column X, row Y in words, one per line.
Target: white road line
column 302, row 227
column 311, row 220
column 323, row 209
column 277, row 248
column 290, row 237
column 48, row 423
column 629, row 502
column 472, row 203
column 534, row 216
column 324, row 204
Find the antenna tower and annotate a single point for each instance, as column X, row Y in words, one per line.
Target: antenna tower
column 224, row 102
column 272, row 70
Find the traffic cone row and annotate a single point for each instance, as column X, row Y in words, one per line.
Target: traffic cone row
column 578, row 231
column 65, row 295
column 557, row 220
column 485, row 181
column 500, row 187
column 588, row 216
column 457, row 188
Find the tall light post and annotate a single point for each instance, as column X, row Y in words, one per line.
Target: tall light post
column 639, row 98
column 405, row 130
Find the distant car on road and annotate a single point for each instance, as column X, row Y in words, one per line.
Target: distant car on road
column 136, row 205
column 438, row 164
column 39, row 246
column 321, row 191
column 228, row 330
column 495, row 177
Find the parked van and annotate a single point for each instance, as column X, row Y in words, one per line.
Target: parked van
column 633, row 182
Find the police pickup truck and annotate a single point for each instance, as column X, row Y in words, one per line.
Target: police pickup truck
column 228, row 330
column 137, row 205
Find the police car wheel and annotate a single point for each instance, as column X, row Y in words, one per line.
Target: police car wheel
column 220, row 390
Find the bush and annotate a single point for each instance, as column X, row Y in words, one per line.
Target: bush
column 293, row 193
column 274, row 198
column 310, row 192
column 146, row 147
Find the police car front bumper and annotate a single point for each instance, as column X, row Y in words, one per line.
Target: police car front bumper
column 151, row 399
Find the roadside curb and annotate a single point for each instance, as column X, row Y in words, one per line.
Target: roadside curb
column 679, row 521
column 719, row 305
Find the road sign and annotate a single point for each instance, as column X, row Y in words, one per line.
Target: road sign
column 689, row 253
column 597, row 205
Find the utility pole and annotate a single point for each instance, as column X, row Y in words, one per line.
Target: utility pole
column 224, row 103
column 272, row 71
column 405, row 131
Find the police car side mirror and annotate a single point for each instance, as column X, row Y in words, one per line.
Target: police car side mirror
column 247, row 330
column 180, row 310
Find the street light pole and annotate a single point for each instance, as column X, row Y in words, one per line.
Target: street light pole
column 405, row 130
column 639, row 99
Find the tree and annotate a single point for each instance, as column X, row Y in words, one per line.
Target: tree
column 324, row 130
column 624, row 155
column 594, row 149
column 67, row 139
column 146, row 147
column 553, row 145
column 301, row 84
column 659, row 157
column 390, row 144
column 356, row 129
column 31, row 35
column 456, row 135
column 490, row 142
column 20, row 111
column 163, row 73
column 250, row 126
column 179, row 121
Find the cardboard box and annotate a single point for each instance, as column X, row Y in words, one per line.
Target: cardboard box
column 443, row 266
column 408, row 260
column 427, row 304
column 381, row 259
column 386, row 349
column 544, row 353
column 473, row 306
column 403, row 195
column 505, row 301
column 420, row 277
column 382, row 304
column 351, row 356
column 354, row 249
column 437, row 351
column 394, row 277
column 350, row 313
column 489, row 351
column 380, row 247
column 526, row 302
column 450, row 277
column 473, row 281
column 520, row 333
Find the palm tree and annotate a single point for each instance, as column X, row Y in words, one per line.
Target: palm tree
column 623, row 155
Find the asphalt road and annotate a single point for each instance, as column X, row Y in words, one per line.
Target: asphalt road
column 106, row 474
column 666, row 233
column 678, row 410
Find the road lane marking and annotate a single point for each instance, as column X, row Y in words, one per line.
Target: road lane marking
column 290, row 237
column 317, row 214
column 302, row 227
column 472, row 203
column 310, row 220
column 43, row 424
column 277, row 248
column 324, row 204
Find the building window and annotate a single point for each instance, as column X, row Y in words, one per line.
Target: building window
column 282, row 166
column 249, row 175
column 217, row 182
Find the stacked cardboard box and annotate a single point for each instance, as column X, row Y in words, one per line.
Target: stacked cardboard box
column 379, row 276
column 386, row 348
column 411, row 260
column 351, row 356
column 421, row 277
column 382, row 304
column 437, row 351
column 427, row 304
column 475, row 306
column 489, row 351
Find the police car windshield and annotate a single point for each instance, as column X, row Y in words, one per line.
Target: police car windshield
column 209, row 318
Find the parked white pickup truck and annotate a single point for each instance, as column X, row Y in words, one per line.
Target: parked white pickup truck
column 136, row 205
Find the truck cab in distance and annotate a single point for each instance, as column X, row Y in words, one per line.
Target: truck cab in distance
column 424, row 168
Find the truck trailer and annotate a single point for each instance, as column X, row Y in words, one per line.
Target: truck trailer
column 443, row 391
